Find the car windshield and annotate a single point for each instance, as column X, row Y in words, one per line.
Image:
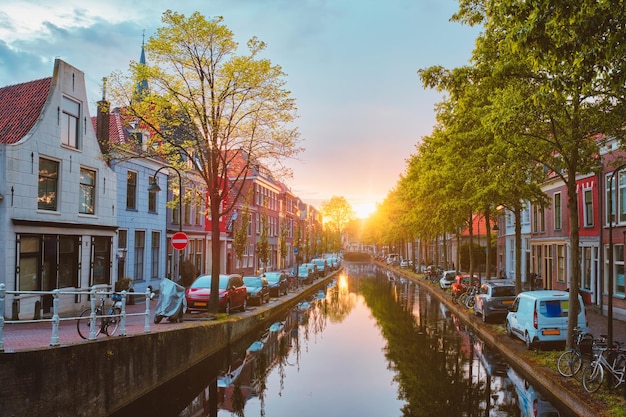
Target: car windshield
column 203, row 281
column 272, row 277
column 252, row 281
column 224, row 282
column 508, row 291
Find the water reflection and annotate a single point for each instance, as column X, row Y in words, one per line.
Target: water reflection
column 324, row 358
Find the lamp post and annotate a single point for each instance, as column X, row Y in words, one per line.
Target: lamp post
column 154, row 187
column 611, row 260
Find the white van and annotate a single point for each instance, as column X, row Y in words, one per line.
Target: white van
column 539, row 317
column 393, row 259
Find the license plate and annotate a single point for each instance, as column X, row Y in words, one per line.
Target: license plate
column 199, row 304
column 507, row 302
column 551, row 332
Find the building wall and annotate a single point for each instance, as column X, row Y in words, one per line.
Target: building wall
column 21, row 216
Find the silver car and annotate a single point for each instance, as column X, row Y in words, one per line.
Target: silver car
column 447, row 279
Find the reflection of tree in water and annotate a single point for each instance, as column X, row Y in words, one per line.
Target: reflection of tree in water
column 261, row 371
column 340, row 301
column 432, row 359
column 238, row 401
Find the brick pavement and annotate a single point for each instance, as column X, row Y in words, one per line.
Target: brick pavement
column 32, row 336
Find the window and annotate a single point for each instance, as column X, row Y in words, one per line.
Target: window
column 152, row 198
column 154, row 259
column 131, row 190
column 622, row 197
column 68, row 261
column 122, row 239
column 587, row 268
column 87, row 191
column 70, row 123
column 29, row 262
column 48, row 184
column 557, row 211
column 542, row 219
column 560, row 259
column 101, row 260
column 588, row 214
column 187, row 207
column 140, row 244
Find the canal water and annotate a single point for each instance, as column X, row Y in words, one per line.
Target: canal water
column 370, row 344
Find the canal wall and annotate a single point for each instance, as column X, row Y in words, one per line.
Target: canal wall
column 97, row 378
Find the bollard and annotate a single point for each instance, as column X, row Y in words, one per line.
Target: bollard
column 92, row 315
column 54, row 340
column 15, row 310
column 123, row 314
column 146, row 327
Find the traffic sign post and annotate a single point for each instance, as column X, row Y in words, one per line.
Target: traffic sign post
column 180, row 240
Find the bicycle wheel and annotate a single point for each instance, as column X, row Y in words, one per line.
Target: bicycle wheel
column 112, row 323
column 469, row 301
column 569, row 363
column 619, row 368
column 593, row 376
column 83, row 324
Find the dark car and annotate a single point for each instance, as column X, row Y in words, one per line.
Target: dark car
column 305, row 274
column 494, row 299
column 258, row 290
column 322, row 266
column 278, row 283
column 233, row 293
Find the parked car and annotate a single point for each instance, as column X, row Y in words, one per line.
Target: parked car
column 258, row 290
column 322, row 266
column 277, row 282
column 541, row 317
column 313, row 271
column 462, row 282
column 333, row 262
column 404, row 263
column 433, row 272
column 447, row 279
column 305, row 274
column 393, row 259
column 494, row 299
column 233, row 293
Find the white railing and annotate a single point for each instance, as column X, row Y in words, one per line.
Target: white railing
column 56, row 319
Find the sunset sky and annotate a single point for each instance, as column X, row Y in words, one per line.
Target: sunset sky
column 351, row 66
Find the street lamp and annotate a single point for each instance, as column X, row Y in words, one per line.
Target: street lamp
column 154, row 187
column 611, row 260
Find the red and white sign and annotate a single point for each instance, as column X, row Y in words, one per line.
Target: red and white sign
column 179, row 240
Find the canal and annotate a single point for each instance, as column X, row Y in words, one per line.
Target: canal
column 370, row 344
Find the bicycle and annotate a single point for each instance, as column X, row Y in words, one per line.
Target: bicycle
column 570, row 362
column 106, row 323
column 470, row 297
column 612, row 360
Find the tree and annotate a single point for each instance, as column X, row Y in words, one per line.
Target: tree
column 560, row 85
column 213, row 112
column 337, row 214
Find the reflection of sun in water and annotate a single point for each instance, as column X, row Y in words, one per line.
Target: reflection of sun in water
column 342, row 282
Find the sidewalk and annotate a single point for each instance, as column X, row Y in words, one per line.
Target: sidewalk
column 598, row 324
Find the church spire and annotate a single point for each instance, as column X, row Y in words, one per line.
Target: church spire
column 142, row 85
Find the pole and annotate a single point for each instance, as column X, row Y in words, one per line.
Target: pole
column 180, row 208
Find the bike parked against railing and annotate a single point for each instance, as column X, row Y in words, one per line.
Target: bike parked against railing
column 611, row 360
column 99, row 321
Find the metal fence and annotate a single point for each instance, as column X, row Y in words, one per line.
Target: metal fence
column 56, row 319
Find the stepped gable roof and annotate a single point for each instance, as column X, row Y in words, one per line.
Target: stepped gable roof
column 20, row 107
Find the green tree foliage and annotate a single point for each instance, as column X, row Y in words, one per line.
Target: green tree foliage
column 337, row 213
column 213, row 111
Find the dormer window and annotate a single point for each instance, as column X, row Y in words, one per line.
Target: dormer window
column 70, row 123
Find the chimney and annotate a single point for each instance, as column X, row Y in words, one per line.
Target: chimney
column 102, row 122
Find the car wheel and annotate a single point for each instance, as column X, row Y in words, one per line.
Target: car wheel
column 244, row 305
column 529, row 344
column 509, row 332
column 228, row 307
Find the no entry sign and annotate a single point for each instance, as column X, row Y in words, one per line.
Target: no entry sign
column 179, row 240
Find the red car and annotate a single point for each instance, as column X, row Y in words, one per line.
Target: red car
column 233, row 293
column 462, row 282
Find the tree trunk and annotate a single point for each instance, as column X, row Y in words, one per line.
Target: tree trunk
column 517, row 212
column 574, row 257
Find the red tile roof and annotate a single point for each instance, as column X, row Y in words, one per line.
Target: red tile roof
column 20, row 107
